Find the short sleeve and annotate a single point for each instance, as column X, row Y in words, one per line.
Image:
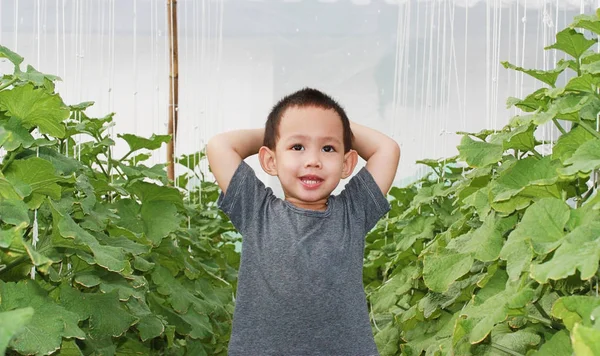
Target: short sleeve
column 364, row 199
column 244, row 197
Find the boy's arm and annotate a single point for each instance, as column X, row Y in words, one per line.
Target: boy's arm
column 226, row 151
column 381, row 152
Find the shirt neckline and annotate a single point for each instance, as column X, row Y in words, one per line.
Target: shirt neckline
column 309, row 212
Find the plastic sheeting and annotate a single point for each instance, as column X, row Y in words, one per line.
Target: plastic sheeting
column 417, row 70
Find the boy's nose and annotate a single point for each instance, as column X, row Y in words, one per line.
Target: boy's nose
column 313, row 161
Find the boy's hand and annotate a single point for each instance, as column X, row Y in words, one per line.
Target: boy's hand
column 226, row 151
column 381, row 152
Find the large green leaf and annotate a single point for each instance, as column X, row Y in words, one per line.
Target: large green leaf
column 572, row 42
column 479, row 153
column 11, row 323
column 34, row 174
column 387, row 340
column 585, row 159
column 181, row 298
column 585, row 341
column 389, row 293
column 485, row 242
column 11, row 56
column 568, row 143
column 36, row 108
column 14, row 212
column 137, row 143
column 584, row 83
column 588, row 22
column 579, row 251
column 492, row 305
column 107, row 316
column 519, row 341
column 531, row 177
column 441, row 269
column 16, row 135
column 575, row 309
column 35, row 77
column 558, row 345
column 52, row 322
column 113, row 258
column 540, row 230
column 547, row 76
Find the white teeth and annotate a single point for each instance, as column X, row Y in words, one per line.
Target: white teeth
column 309, row 181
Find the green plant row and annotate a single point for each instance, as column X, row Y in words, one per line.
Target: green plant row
column 98, row 254
column 496, row 252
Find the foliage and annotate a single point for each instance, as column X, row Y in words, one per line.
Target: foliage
column 100, row 255
column 496, row 251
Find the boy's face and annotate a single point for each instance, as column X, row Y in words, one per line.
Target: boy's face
column 309, row 156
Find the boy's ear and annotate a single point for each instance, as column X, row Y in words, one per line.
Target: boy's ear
column 350, row 161
column 267, row 160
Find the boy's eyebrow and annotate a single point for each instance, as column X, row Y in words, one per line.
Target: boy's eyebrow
column 304, row 137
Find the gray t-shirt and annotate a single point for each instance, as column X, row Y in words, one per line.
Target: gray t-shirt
column 300, row 288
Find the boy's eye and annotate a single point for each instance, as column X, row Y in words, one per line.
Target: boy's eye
column 328, row 149
column 297, row 147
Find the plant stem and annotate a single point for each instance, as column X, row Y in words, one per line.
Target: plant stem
column 126, row 155
column 101, row 167
column 544, row 321
column 537, row 154
column 7, row 84
column 559, row 126
column 589, row 129
column 9, row 160
column 505, row 349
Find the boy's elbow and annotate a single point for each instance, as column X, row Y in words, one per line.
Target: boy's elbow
column 393, row 150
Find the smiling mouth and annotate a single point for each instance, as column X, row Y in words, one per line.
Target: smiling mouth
column 311, row 181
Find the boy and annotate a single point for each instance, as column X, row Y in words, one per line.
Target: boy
column 300, row 288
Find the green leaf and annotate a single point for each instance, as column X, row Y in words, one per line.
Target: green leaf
column 519, row 341
column 541, row 229
column 52, row 322
column 585, row 341
column 36, row 174
column 485, row 242
column 547, row 76
column 575, row 309
column 558, row 345
column 36, row 108
column 137, row 143
column 492, row 305
column 17, row 135
column 11, row 323
column 519, row 138
column 538, row 100
column 585, row 83
column 11, row 56
column 568, row 143
column 479, row 153
column 110, row 257
column 441, row 269
column 387, row 340
column 150, row 325
column 107, row 316
column 530, row 177
column 588, row 22
column 36, row 78
column 388, row 294
column 567, row 107
column 180, row 297
column 585, row 159
column 579, row 251
column 572, row 42
column 14, row 212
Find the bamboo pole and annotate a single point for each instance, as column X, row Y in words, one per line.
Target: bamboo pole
column 173, row 86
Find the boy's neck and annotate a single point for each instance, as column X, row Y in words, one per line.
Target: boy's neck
column 320, row 205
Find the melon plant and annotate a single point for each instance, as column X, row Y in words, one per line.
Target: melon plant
column 496, row 251
column 100, row 255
